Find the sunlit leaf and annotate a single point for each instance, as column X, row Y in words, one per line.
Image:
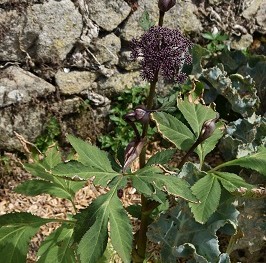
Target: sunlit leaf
column 161, row 157
column 208, row 192
column 174, row 130
column 120, row 230
column 256, row 161
column 195, row 114
column 16, row 230
column 90, row 155
column 57, row 247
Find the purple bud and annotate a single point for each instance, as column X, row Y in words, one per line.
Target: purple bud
column 208, row 128
column 133, row 151
column 140, row 114
column 165, row 5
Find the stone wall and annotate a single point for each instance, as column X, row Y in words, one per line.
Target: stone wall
column 58, row 55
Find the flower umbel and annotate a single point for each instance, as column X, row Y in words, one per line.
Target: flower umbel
column 164, row 51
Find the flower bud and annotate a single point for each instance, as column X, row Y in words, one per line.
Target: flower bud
column 165, row 5
column 140, row 114
column 133, row 151
column 208, row 128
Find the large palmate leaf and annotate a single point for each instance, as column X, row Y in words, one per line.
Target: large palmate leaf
column 144, row 180
column 90, row 155
column 76, row 170
column 50, row 184
column 174, row 130
column 195, row 114
column 57, row 247
column 208, row 192
column 93, row 221
column 256, row 161
column 243, row 136
column 180, row 236
column 16, row 230
column 240, row 91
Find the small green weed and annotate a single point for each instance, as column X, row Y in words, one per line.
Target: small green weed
column 121, row 133
column 49, row 135
column 217, row 41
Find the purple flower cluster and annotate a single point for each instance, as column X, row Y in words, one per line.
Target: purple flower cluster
column 162, row 51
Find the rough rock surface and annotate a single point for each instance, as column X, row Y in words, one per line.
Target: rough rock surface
column 20, row 86
column 75, row 81
column 49, row 36
column 89, row 39
column 183, row 14
column 108, row 14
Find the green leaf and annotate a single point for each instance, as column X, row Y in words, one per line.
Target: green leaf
column 52, row 158
column 181, row 237
column 38, row 170
column 145, row 22
column 174, row 130
column 57, row 247
column 149, row 177
column 120, row 230
column 90, row 155
column 256, row 161
column 94, row 221
column 208, row 192
column 161, row 157
column 195, row 114
column 75, row 169
column 209, row 36
column 16, row 230
column 36, row 187
column 94, row 242
column 231, row 182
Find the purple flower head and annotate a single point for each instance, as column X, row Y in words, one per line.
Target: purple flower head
column 162, row 50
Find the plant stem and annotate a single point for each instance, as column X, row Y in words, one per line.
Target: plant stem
column 190, row 151
column 146, row 206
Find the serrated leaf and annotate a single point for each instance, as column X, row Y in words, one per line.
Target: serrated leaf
column 231, row 182
column 195, row 114
column 37, row 187
column 38, row 170
column 75, row 169
column 16, row 230
column 94, row 242
column 152, row 176
column 208, row 192
column 256, row 161
column 94, row 221
column 161, row 157
column 174, row 130
column 57, row 246
column 120, row 230
column 52, row 158
column 90, row 155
